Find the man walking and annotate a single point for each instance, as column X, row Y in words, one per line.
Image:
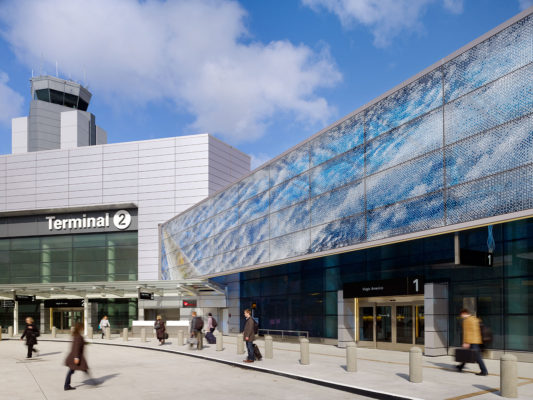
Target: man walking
column 472, row 339
column 249, row 335
column 197, row 323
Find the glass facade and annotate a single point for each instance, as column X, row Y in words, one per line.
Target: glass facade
column 69, row 258
column 303, row 295
column 453, row 146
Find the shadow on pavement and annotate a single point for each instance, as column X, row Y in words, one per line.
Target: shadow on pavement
column 447, row 367
column 49, row 354
column 404, row 376
column 98, row 381
column 489, row 389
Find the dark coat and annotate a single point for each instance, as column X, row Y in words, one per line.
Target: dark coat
column 77, row 352
column 30, row 333
column 249, row 330
column 160, row 332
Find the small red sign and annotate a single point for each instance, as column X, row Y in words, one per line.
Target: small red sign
column 189, row 303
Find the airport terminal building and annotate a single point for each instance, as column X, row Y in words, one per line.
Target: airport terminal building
column 79, row 217
column 382, row 226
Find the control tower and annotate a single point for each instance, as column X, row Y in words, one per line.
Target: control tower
column 58, row 118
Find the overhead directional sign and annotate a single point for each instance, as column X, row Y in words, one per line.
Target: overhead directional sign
column 389, row 287
column 25, row 299
column 8, row 303
column 146, row 296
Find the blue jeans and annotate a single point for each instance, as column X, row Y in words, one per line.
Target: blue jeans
column 250, row 348
column 479, row 359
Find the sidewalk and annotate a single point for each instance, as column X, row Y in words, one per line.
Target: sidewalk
column 381, row 374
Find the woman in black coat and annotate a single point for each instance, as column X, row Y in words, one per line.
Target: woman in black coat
column 30, row 333
column 75, row 360
column 160, row 330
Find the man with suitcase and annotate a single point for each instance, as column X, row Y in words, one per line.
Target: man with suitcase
column 197, row 324
column 471, row 340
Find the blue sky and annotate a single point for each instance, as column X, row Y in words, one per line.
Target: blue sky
column 262, row 75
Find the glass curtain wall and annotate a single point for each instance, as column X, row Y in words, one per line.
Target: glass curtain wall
column 69, row 258
column 303, row 295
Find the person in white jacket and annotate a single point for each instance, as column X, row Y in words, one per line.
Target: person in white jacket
column 104, row 323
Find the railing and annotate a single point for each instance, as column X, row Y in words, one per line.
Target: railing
column 284, row 333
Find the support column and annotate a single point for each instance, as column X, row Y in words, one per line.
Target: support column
column 86, row 315
column 345, row 320
column 16, row 319
column 111, row 260
column 45, row 264
column 41, row 313
column 435, row 319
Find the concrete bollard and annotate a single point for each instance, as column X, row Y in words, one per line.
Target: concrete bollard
column 54, row 331
column 108, row 333
column 9, row 331
column 415, row 365
column 508, row 376
column 269, row 347
column 181, row 335
column 89, row 332
column 304, row 351
column 220, row 341
column 351, row 357
column 125, row 334
column 240, row 344
column 143, row 334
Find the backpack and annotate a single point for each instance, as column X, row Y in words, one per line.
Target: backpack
column 198, row 323
column 214, row 322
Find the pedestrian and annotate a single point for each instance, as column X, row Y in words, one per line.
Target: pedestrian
column 249, row 335
column 197, row 324
column 472, row 340
column 104, row 324
column 30, row 333
column 160, row 330
column 75, row 360
column 211, row 323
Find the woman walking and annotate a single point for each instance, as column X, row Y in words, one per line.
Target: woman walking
column 75, row 360
column 160, row 330
column 30, row 333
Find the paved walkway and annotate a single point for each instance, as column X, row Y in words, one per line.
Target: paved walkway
column 381, row 374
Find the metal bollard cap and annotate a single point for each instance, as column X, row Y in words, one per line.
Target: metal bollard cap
column 508, row 357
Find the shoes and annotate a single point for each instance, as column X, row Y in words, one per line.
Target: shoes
column 482, row 373
column 248, row 361
column 70, row 388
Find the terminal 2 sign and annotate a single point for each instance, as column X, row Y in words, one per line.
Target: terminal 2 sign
column 121, row 220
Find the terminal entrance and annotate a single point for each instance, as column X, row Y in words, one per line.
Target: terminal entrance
column 391, row 323
column 63, row 319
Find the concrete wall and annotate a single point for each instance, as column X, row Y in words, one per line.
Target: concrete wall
column 163, row 177
column 346, row 324
column 19, row 135
column 436, row 319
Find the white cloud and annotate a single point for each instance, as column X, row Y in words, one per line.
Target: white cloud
column 385, row 18
column 259, row 159
column 11, row 102
column 523, row 4
column 454, row 6
column 197, row 53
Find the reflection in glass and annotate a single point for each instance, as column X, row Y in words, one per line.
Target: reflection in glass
column 419, row 325
column 366, row 324
column 383, row 324
column 404, row 324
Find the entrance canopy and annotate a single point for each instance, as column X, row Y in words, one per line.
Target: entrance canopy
column 122, row 289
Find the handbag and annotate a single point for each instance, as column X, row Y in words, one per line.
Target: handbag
column 166, row 335
column 193, row 340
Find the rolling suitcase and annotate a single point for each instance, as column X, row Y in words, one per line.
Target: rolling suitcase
column 211, row 339
column 465, row 356
column 257, row 354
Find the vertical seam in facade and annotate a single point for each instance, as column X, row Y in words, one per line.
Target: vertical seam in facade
column 444, row 190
